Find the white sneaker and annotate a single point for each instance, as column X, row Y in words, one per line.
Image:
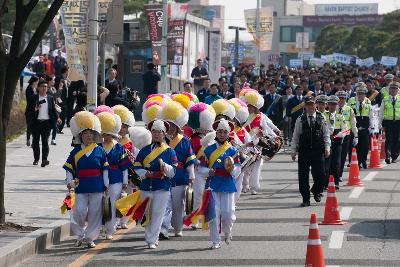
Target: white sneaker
column 152, row 246
column 228, row 238
column 124, row 226
column 215, row 246
column 253, row 192
column 178, row 234
column 91, row 244
column 245, row 190
column 109, row 237
column 194, row 226
column 78, row 243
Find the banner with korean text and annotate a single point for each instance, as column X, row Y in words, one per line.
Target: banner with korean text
column 264, row 42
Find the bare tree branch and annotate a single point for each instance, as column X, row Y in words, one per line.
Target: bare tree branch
column 40, row 31
column 30, row 6
column 20, row 21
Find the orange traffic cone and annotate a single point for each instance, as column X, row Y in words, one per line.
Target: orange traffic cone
column 383, row 146
column 374, row 157
column 332, row 214
column 354, row 172
column 315, row 251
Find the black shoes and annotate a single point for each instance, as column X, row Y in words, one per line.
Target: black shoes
column 60, row 132
column 317, row 198
column 387, row 160
column 53, row 142
column 161, row 236
column 35, row 162
column 45, row 163
column 305, row 204
column 28, row 142
column 364, row 165
column 394, row 160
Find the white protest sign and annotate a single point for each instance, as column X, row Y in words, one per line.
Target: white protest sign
column 295, row 63
column 342, row 58
column 317, row 62
column 389, row 61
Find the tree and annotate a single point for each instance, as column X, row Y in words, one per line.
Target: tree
column 134, row 7
column 390, row 22
column 355, row 43
column 331, row 39
column 393, row 46
column 376, row 44
column 13, row 61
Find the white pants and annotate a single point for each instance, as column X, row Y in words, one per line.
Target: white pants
column 115, row 192
column 159, row 200
column 174, row 212
column 125, row 219
column 224, row 209
column 239, row 186
column 87, row 206
column 199, row 184
column 252, row 179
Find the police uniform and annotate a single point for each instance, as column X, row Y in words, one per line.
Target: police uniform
column 389, row 117
column 336, row 125
column 351, row 122
column 310, row 140
column 364, row 118
column 385, row 90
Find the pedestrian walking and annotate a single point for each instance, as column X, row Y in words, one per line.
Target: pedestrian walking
column 30, row 91
column 311, row 142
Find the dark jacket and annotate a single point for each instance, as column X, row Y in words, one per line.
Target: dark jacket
column 198, row 72
column 268, row 100
column 33, row 114
column 150, row 82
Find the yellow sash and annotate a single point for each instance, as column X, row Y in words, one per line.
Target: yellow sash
column 108, row 147
column 373, row 96
column 301, row 105
column 154, row 154
column 176, row 141
column 82, row 152
column 218, row 152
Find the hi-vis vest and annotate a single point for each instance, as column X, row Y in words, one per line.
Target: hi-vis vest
column 366, row 109
column 392, row 109
column 385, row 92
column 334, row 121
column 346, row 112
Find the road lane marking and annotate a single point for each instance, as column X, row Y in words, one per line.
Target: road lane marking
column 336, row 240
column 356, row 192
column 85, row 258
column 370, row 176
column 345, row 213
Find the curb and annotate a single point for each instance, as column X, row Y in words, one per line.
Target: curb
column 25, row 247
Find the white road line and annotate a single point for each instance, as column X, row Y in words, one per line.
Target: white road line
column 336, row 240
column 345, row 213
column 356, row 192
column 370, row 176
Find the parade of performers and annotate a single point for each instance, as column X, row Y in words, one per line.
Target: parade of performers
column 189, row 165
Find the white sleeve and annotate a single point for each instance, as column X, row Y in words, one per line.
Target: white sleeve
column 296, row 135
column 135, row 152
column 105, row 178
column 169, row 171
column 247, row 137
column 190, row 170
column 203, row 171
column 353, row 123
column 125, row 178
column 69, row 177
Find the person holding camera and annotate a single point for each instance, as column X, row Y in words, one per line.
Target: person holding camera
column 43, row 115
column 131, row 100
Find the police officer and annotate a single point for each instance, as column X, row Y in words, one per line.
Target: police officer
column 385, row 90
column 364, row 117
column 336, row 126
column 321, row 102
column 389, row 118
column 351, row 138
column 311, row 141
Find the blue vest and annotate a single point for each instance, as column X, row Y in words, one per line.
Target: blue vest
column 222, row 182
column 186, row 157
column 154, row 184
column 89, row 170
column 118, row 161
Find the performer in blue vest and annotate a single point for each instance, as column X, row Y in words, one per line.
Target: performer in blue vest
column 87, row 172
column 177, row 117
column 155, row 165
column 118, row 164
column 221, row 161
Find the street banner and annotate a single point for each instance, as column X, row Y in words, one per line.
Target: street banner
column 214, row 63
column 317, row 62
column 296, row 63
column 266, row 27
column 302, row 40
column 74, row 15
column 176, row 31
column 365, row 62
column 154, row 14
column 327, row 58
column 389, row 61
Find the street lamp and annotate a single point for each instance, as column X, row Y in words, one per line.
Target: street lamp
column 237, row 29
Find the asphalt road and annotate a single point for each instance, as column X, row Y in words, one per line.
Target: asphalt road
column 271, row 229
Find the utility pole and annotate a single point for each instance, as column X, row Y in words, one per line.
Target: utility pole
column 93, row 54
column 237, row 29
column 258, row 55
column 163, row 82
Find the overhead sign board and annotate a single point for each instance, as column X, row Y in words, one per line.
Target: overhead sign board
column 346, row 9
column 321, row 21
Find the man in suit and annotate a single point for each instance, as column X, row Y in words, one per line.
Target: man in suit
column 225, row 94
column 269, row 97
column 43, row 115
column 295, row 106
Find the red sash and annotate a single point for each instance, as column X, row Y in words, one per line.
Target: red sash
column 255, row 123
